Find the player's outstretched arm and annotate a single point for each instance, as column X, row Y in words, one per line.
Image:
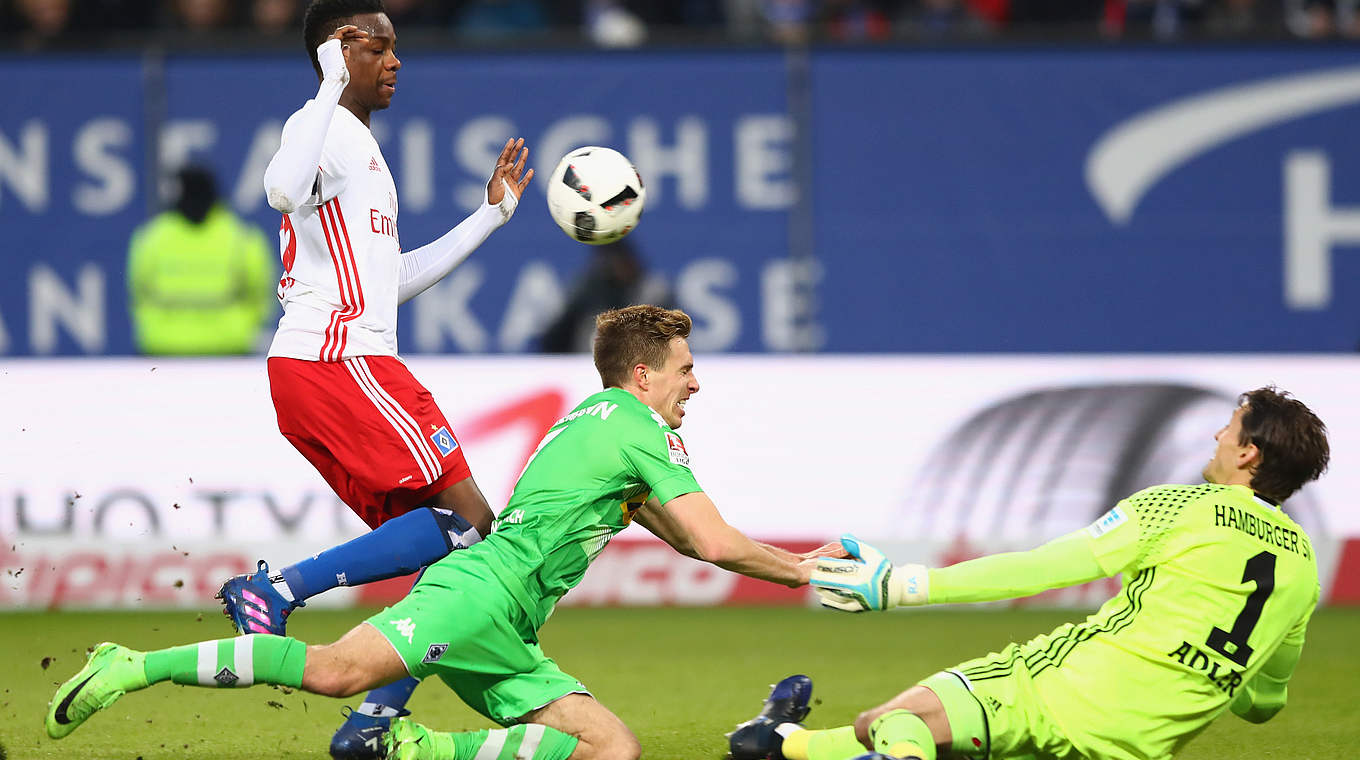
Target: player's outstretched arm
column 871, row 582
column 291, row 174
column 692, row 525
column 429, row 264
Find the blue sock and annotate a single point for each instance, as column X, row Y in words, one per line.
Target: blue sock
column 384, row 703
column 399, row 546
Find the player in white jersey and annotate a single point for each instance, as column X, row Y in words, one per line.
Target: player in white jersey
column 343, row 397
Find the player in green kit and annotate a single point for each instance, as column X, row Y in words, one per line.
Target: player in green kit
column 473, row 618
column 1219, row 584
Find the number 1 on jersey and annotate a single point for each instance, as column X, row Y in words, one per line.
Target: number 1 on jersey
column 1232, row 644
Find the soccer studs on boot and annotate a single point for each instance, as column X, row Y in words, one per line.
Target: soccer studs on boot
column 757, row 738
column 253, row 604
column 361, row 736
column 408, row 740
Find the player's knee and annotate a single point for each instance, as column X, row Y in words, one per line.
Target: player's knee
column 866, row 719
column 616, row 745
column 862, row 723
column 625, row 747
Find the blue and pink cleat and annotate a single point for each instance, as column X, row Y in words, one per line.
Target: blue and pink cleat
column 254, row 605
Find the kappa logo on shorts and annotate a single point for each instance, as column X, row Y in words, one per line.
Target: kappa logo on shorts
column 405, row 627
column 444, row 441
column 434, row 653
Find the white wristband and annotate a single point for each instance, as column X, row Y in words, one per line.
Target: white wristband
column 509, row 202
column 332, row 60
column 909, row 586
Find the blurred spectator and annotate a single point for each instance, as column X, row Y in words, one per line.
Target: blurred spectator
column 615, row 277
column 625, row 23
column 200, row 280
column 745, row 18
column 788, row 21
column 851, row 20
column 500, row 18
column 1163, row 19
column 202, row 15
column 1320, row 19
column 610, row 24
column 42, row 22
column 1238, row 18
column 275, row 17
column 942, row 18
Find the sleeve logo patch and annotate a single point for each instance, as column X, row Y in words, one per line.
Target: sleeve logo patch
column 676, row 447
column 444, row 441
column 435, row 652
column 1107, row 522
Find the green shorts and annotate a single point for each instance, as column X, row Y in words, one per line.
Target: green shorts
column 994, row 712
column 461, row 624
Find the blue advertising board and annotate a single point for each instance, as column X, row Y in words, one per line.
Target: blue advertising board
column 1090, row 200
column 1170, row 199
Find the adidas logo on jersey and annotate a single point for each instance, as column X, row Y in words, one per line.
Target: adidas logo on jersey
column 374, row 166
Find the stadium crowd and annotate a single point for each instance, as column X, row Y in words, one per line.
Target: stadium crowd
column 624, row 23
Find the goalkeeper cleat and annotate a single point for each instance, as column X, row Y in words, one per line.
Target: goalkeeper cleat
column 758, row 738
column 111, row 671
column 408, row 740
column 360, row 737
column 881, row 756
column 254, row 605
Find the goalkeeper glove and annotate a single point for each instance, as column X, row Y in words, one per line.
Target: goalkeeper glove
column 869, row 581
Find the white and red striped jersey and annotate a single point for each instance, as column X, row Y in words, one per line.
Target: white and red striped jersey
column 341, row 253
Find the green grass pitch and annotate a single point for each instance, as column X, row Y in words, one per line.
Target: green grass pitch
column 679, row 677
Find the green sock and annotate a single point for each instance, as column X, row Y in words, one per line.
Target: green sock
column 829, row 744
column 239, row 661
column 527, row 741
column 902, row 734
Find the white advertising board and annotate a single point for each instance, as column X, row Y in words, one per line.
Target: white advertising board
column 130, row 460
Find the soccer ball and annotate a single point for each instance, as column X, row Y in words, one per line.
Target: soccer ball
column 595, row 195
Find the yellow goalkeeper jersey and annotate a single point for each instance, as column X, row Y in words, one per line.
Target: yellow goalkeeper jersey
column 1215, row 578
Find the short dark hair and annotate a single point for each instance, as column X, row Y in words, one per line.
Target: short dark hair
column 318, row 22
column 1291, row 439
column 633, row 335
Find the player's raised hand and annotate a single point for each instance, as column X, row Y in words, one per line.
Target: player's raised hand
column 333, row 54
column 509, row 177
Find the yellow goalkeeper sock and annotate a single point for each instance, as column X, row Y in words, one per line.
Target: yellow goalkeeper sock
column 902, row 734
column 830, row 744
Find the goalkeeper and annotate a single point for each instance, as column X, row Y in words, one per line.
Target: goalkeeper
column 1218, row 587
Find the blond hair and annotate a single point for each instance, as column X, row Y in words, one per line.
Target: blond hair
column 633, row 335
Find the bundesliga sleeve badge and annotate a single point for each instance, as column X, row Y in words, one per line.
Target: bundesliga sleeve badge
column 676, row 448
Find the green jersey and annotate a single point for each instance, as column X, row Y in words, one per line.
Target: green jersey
column 593, row 469
column 1215, row 580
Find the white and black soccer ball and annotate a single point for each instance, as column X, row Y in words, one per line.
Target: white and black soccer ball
column 595, row 195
